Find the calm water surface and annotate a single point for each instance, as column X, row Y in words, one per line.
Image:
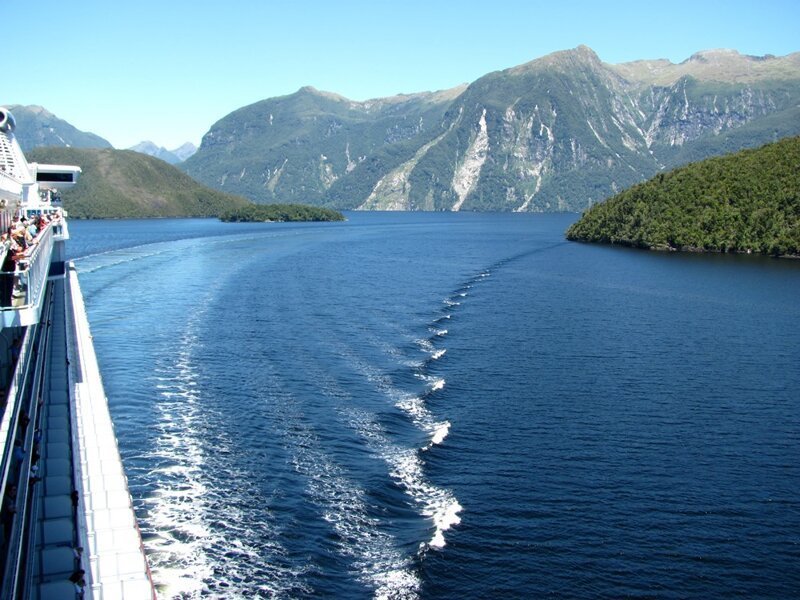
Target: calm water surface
column 448, row 406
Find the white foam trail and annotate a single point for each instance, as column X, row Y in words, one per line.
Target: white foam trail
column 177, row 506
column 438, row 354
column 437, row 503
column 441, row 433
column 195, row 531
column 449, row 302
column 437, row 384
column 380, row 565
column 113, row 261
column 445, row 516
column 440, row 332
column 426, row 345
column 406, row 466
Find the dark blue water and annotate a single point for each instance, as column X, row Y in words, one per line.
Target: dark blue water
column 448, row 406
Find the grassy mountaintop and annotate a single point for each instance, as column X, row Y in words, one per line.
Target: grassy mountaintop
column 126, row 184
column 743, row 202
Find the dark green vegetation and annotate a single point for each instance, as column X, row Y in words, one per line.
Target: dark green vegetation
column 37, row 127
column 127, row 184
column 559, row 133
column 743, row 202
column 279, row 212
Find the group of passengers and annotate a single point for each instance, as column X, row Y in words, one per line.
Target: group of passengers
column 15, row 243
column 21, row 235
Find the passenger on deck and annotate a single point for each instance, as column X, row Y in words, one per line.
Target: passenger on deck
column 21, row 236
column 9, row 266
column 33, row 228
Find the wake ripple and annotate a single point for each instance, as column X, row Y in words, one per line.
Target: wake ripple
column 195, row 530
column 343, row 504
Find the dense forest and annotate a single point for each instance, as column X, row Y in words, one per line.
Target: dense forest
column 743, row 202
column 279, row 212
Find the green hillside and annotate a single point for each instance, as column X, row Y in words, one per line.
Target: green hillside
column 743, row 202
column 127, row 184
column 295, row 148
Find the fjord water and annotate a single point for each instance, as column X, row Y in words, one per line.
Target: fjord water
column 448, row 406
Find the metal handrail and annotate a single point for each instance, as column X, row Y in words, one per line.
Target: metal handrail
column 16, row 390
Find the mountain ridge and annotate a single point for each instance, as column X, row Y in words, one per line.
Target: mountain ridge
column 557, row 133
column 37, row 126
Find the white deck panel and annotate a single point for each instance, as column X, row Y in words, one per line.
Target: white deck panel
column 117, row 566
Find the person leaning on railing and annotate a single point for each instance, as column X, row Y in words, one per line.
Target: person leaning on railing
column 13, row 244
column 9, row 249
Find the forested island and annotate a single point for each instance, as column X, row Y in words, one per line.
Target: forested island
column 259, row 213
column 743, row 202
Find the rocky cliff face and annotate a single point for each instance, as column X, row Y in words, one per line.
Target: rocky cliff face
column 558, row 133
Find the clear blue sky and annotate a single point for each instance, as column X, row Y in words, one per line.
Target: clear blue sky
column 166, row 70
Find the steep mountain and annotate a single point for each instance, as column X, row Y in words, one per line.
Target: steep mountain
column 38, row 127
column 567, row 130
column 296, row 148
column 559, row 133
column 743, row 202
column 172, row 157
column 123, row 183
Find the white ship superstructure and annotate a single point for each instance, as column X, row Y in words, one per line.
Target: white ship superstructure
column 67, row 526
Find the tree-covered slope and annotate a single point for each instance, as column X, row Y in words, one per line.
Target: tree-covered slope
column 255, row 213
column 743, row 202
column 124, row 183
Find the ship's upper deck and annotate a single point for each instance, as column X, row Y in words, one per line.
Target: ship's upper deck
column 33, row 227
column 24, row 271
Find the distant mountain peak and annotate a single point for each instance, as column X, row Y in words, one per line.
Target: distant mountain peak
column 579, row 56
column 312, row 91
column 172, row 157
